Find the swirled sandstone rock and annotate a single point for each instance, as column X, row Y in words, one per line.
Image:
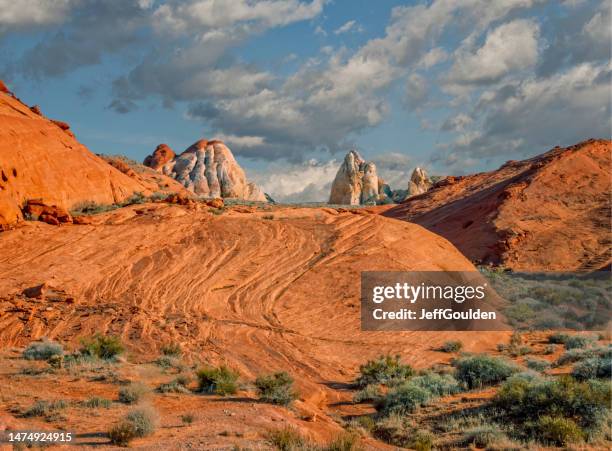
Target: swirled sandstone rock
column 208, row 168
column 356, row 181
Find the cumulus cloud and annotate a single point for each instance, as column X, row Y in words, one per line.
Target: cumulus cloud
column 24, row 13
column 510, row 47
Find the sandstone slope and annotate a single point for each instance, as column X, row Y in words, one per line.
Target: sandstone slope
column 207, row 168
column 547, row 213
column 41, row 159
column 267, row 290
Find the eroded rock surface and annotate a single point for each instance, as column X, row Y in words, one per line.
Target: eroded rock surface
column 356, row 181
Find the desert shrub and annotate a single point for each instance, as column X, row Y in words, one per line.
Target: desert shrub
column 437, row 384
column 177, row 385
column 368, row 393
column 595, row 367
column 42, row 350
column 558, row 338
column 481, row 370
column 166, row 362
column 131, row 394
column 403, row 399
column 451, row 346
column 558, row 431
column 386, row 369
column 122, row 434
column 136, row 198
column 392, row 429
column 220, row 381
column 90, row 208
column 276, row 388
column 579, row 341
column 537, row 364
column 144, row 419
column 171, row 350
column 346, row 441
column 96, row 402
column 45, row 408
column 365, row 423
column 101, row 346
column 526, row 400
column 483, row 436
column 422, row 440
column 576, row 355
column 187, row 418
column 287, row 439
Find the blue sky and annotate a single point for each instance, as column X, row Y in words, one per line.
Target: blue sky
column 292, row 85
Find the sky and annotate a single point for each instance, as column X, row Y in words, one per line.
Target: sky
column 292, row 85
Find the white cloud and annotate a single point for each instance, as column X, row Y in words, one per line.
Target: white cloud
column 508, row 48
column 185, row 17
column 351, row 25
column 416, row 91
column 435, row 56
column 320, row 31
column 21, row 13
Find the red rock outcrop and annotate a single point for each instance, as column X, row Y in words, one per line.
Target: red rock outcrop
column 548, row 213
column 41, row 159
column 161, row 155
column 37, row 210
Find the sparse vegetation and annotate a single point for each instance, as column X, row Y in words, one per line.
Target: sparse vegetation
column 386, row 369
column 122, row 434
column 557, row 431
column 346, row 441
column 42, row 350
column 171, row 350
column 437, row 384
column 403, row 399
column 176, row 385
column 287, row 439
column 102, row 346
column 537, row 364
column 276, row 388
column 96, row 402
column 220, row 381
column 451, row 346
column 187, row 418
column 144, row 419
column 481, row 370
column 45, row 408
column 579, row 341
column 367, row 394
column 483, row 436
column 131, row 394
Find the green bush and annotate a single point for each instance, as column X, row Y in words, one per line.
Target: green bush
column 451, row 346
column 368, row 393
column 483, row 436
column 122, row 434
column 537, row 364
column 576, row 355
column 346, row 441
column 422, row 441
column 131, row 394
column 287, row 439
column 144, row 419
column 579, row 341
column 481, row 370
column 220, row 381
column 386, row 369
column 177, row 385
column 187, row 418
column 42, row 350
column 171, row 350
column 593, row 368
column 558, row 338
column 526, row 400
column 44, row 408
column 96, row 402
column 437, row 384
column 403, row 399
column 101, row 346
column 276, row 388
column 558, row 431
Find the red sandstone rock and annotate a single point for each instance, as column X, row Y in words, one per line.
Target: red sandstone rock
column 40, row 160
column 548, row 213
column 3, row 88
column 51, row 214
column 161, row 155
